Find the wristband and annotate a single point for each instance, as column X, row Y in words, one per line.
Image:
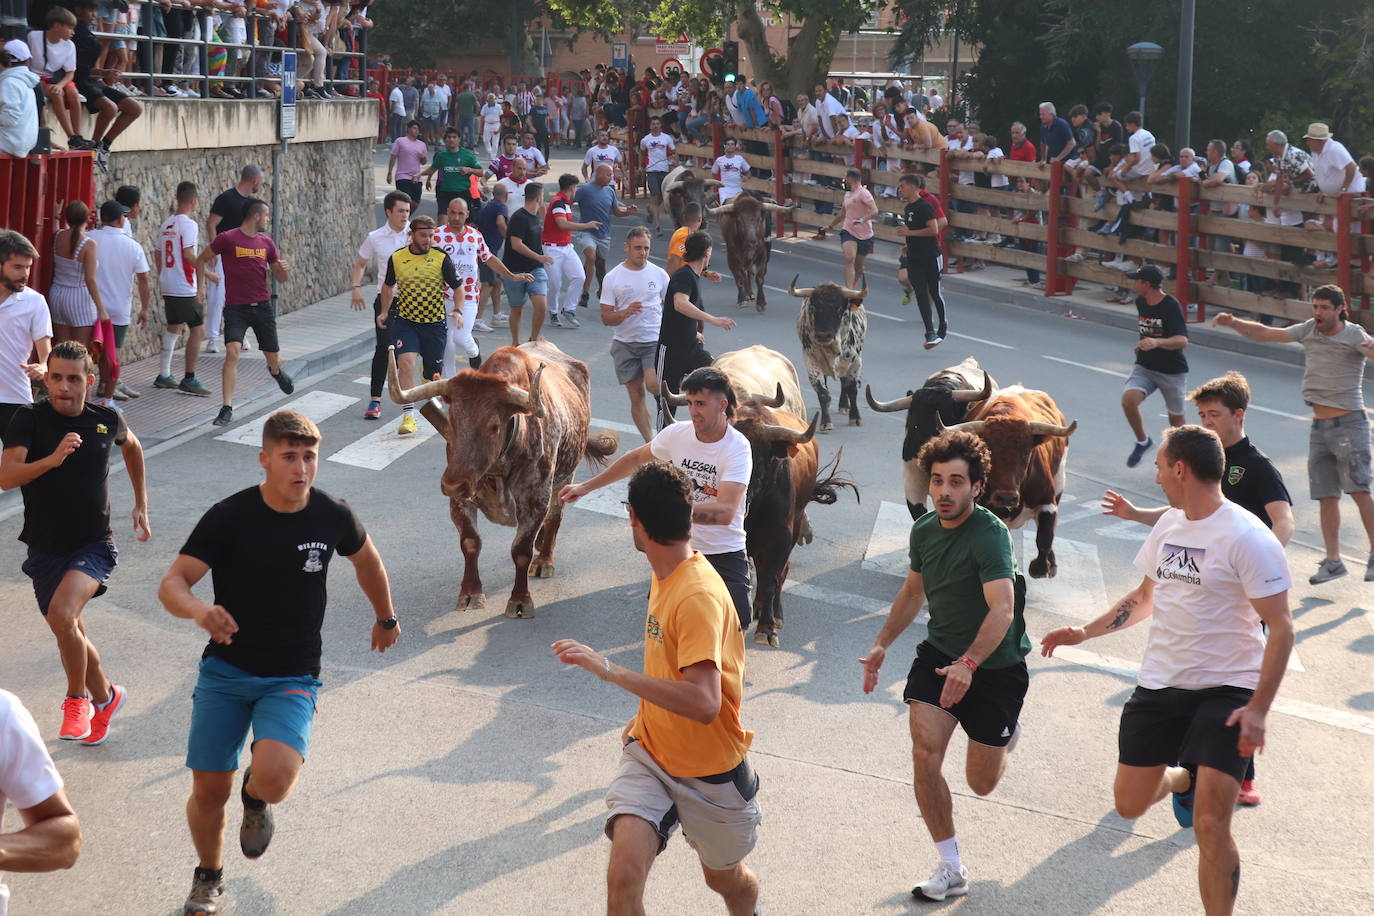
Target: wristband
column 968, row 662
column 607, row 675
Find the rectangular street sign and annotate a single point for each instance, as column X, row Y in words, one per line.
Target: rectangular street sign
column 286, row 121
column 620, row 54
column 673, row 47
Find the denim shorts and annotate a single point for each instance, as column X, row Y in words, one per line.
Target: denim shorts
column 228, row 700
column 1338, row 456
column 517, row 290
column 47, row 570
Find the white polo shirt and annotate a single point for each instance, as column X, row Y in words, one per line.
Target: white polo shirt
column 120, row 258
column 381, row 243
column 24, row 319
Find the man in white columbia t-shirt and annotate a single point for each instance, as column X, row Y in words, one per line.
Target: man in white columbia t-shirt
column 49, row 836
column 632, row 303
column 718, row 459
column 1212, row 574
column 730, row 170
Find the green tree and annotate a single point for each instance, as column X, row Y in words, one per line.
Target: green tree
column 418, row 32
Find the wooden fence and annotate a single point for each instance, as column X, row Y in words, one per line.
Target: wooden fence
column 1057, row 216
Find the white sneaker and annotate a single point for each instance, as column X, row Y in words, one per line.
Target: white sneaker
column 212, row 345
column 1078, row 257
column 480, row 325
column 1118, row 264
column 501, row 319
column 570, row 320
column 944, row 882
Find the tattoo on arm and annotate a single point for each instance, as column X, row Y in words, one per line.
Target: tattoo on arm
column 1123, row 613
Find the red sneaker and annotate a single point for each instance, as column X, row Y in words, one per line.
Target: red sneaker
column 100, row 722
column 76, row 718
column 1249, row 795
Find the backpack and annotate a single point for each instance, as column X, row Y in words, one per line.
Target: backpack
column 789, row 110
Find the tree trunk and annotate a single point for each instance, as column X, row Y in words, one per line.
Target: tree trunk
column 809, row 52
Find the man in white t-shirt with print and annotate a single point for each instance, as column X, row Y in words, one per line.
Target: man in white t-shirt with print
column 632, row 303
column 467, row 249
column 529, row 151
column 658, row 150
column 49, row 837
column 730, row 170
column 182, row 296
column 1137, row 163
column 601, row 153
column 121, row 264
column 1212, row 574
column 718, row 459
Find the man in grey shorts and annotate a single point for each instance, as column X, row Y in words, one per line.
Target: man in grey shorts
column 632, row 303
column 1159, row 361
column 684, row 757
column 1338, row 447
column 597, row 203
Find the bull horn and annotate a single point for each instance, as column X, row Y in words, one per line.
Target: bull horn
column 855, row 293
column 528, row 401
column 674, row 180
column 886, row 406
column 775, row 401
column 770, row 433
column 777, row 208
column 1050, row 429
column 712, row 183
column 422, row 392
column 727, row 207
column 674, row 400
column 970, row 426
column 800, row 293
column 972, row 397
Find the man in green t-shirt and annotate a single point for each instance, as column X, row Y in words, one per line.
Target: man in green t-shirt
column 465, row 105
column 456, row 165
column 971, row 669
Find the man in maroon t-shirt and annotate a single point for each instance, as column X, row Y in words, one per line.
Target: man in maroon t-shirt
column 248, row 255
column 504, row 164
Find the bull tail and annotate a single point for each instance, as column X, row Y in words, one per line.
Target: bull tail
column 600, row 448
column 829, row 483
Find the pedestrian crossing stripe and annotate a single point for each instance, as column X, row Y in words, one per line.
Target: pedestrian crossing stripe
column 317, row 405
column 381, row 447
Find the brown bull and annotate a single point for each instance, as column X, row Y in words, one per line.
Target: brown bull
column 744, row 227
column 516, row 429
column 1029, row 442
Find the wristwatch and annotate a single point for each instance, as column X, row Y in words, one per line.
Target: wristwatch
column 389, row 623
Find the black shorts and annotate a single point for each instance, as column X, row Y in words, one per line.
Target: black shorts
column 1186, row 727
column 47, row 570
column 733, row 569
column 94, row 92
column 678, row 363
column 655, row 180
column 258, row 316
column 184, row 310
column 427, row 338
column 988, row 712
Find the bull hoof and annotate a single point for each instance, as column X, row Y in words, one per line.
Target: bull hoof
column 1043, row 569
column 471, row 602
column 764, row 638
column 827, row 426
column 520, row 609
column 856, row 421
column 761, row 308
column 542, row 569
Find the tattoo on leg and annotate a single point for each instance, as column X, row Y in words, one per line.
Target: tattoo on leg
column 1123, row 614
column 1235, row 882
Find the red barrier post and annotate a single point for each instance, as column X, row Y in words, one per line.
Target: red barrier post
column 1183, row 250
column 631, row 161
column 1054, row 248
column 948, row 204
column 779, row 181
column 717, row 140
column 1345, row 248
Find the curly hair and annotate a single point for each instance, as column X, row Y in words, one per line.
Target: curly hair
column 957, row 444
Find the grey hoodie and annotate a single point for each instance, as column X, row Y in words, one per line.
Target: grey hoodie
column 18, row 110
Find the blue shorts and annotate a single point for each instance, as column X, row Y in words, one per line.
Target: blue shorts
column 227, row 700
column 427, row 338
column 865, row 245
column 516, row 291
column 96, row 559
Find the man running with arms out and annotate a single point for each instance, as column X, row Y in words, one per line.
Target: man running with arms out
column 597, row 203
column 717, row 458
column 381, row 243
column 685, row 755
column 1212, row 573
column 267, row 549
column 248, row 255
column 457, row 167
column 1251, row 482
column 566, row 268
column 1333, row 386
column 183, row 296
column 414, row 296
column 1159, row 361
column 59, row 453
column 970, row 670
column 632, row 303
column 921, row 262
column 658, row 150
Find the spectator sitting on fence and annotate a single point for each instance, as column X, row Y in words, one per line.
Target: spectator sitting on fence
column 18, row 101
column 114, row 110
column 53, row 58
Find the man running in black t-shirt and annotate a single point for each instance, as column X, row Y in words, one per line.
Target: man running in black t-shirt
column 681, row 346
column 921, row 229
column 1159, row 361
column 58, row 451
column 267, row 549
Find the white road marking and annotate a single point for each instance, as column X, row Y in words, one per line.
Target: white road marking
column 1324, row 715
column 380, row 447
column 889, row 542
column 363, row 380
column 607, row 500
column 612, row 424
column 317, row 405
column 861, row 603
column 1279, row 413
column 1069, row 362
column 990, row 343
column 888, row 317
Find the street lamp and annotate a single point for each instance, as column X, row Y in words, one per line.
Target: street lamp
column 1144, row 56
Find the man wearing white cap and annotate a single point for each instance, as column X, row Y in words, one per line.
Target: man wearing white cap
column 18, row 104
column 1334, row 170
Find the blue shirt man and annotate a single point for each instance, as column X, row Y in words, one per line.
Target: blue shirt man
column 748, row 102
column 1056, row 136
column 595, row 202
column 487, row 223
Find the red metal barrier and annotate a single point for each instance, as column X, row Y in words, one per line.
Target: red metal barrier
column 1345, row 249
column 1054, row 249
column 780, row 180
column 1183, row 249
column 33, row 193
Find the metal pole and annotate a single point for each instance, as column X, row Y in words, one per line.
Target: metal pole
column 1142, row 109
column 1185, row 74
column 954, row 64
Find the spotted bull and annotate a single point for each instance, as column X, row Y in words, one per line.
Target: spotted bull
column 743, row 223
column 831, row 325
column 682, row 186
column 516, row 429
column 1029, row 443
column 947, row 395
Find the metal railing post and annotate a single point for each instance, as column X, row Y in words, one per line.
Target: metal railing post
column 203, row 52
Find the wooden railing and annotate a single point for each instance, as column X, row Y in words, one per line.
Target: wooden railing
column 1063, row 215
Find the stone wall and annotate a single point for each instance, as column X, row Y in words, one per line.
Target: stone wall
column 323, row 207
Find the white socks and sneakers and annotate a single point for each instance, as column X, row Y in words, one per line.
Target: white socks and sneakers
column 950, row 878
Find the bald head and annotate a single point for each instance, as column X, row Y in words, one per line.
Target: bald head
column 604, row 174
column 457, row 214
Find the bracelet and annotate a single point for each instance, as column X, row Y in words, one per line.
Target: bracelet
column 970, row 663
column 607, row 675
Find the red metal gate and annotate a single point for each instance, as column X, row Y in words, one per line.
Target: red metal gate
column 33, row 193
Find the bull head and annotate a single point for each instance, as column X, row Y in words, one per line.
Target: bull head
column 1034, row 428
column 675, row 180
column 729, row 206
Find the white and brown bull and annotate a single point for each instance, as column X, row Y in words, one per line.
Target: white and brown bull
column 758, row 369
column 744, row 226
column 948, row 395
column 682, row 186
column 1029, row 442
column 515, row 430
column 831, row 325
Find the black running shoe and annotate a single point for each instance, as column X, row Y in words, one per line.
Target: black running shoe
column 225, row 417
column 284, row 381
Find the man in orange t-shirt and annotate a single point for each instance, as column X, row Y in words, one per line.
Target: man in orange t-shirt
column 685, row 757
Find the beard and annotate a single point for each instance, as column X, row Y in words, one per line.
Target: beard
column 956, row 509
column 14, row 286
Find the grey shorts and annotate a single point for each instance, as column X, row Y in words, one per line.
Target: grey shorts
column 655, row 180
column 1338, row 456
column 719, row 814
column 1170, row 385
column 632, row 359
column 585, row 239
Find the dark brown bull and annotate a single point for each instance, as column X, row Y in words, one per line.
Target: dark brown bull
column 1029, row 442
column 744, row 227
column 682, row 186
column 516, row 429
column 947, row 395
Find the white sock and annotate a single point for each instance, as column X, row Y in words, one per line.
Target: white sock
column 169, row 345
column 949, row 852
column 408, row 408
column 1142, row 442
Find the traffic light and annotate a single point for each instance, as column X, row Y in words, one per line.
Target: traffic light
column 717, row 69
column 730, row 55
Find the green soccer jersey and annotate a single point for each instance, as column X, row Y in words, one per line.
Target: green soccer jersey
column 448, row 164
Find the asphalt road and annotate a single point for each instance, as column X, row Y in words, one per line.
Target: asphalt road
column 463, row 771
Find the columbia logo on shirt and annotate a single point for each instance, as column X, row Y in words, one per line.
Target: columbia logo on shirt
column 1181, row 564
